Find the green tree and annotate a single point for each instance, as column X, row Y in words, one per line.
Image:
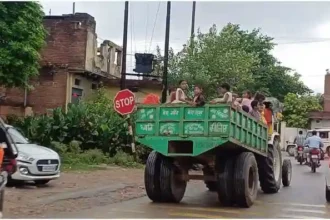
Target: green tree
column 296, row 109
column 22, row 35
column 236, row 56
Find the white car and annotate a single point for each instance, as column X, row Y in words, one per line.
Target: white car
column 34, row 163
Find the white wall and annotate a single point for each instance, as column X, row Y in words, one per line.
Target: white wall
column 289, row 134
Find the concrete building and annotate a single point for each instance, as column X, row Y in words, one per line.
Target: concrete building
column 322, row 119
column 72, row 66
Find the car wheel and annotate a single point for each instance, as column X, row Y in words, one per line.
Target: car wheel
column 13, row 183
column 327, row 193
column 41, row 182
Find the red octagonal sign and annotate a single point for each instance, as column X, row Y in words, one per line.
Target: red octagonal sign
column 124, row 102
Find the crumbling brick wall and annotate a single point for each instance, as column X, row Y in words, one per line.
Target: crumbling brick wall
column 65, row 49
column 67, row 39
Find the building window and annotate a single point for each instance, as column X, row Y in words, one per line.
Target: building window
column 324, row 134
column 94, row 86
column 77, row 82
column 76, row 95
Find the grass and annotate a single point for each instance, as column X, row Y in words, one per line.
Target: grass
column 96, row 160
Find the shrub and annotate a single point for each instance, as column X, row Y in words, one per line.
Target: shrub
column 91, row 129
column 94, row 124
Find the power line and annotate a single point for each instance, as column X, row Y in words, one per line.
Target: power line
column 147, row 22
column 153, row 29
column 131, row 36
column 304, row 42
column 133, row 26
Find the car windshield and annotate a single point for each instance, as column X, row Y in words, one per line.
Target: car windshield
column 17, row 137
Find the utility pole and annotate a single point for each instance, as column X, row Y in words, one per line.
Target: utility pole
column 193, row 20
column 123, row 77
column 74, row 8
column 192, row 33
column 167, row 39
column 124, row 53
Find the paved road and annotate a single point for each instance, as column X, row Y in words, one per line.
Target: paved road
column 305, row 198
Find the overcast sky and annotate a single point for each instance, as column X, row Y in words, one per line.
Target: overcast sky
column 302, row 29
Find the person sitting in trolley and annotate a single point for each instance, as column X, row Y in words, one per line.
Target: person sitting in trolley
column 227, row 95
column 199, row 99
column 180, row 95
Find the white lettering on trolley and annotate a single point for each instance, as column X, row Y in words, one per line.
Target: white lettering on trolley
column 222, row 113
column 174, row 112
column 193, row 128
column 147, row 114
column 195, row 112
column 124, row 102
column 168, row 128
column 147, row 127
column 218, row 127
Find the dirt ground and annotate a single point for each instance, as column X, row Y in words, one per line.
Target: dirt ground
column 74, row 191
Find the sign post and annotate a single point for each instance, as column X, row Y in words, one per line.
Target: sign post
column 124, row 104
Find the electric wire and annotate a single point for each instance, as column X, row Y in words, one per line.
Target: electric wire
column 147, row 24
column 153, row 28
column 131, row 30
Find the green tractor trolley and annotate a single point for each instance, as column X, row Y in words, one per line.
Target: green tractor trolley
column 234, row 149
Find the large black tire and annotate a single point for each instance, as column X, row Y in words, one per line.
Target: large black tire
column 286, row 172
column 211, row 185
column 245, row 179
column 152, row 177
column 270, row 183
column 327, row 193
column 225, row 175
column 2, row 200
column 172, row 188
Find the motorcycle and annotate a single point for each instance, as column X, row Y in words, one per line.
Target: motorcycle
column 300, row 154
column 314, row 159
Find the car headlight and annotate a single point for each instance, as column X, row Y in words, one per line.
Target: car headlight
column 24, row 157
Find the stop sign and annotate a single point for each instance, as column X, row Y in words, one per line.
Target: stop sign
column 124, row 102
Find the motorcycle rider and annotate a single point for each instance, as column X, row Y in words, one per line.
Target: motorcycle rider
column 299, row 141
column 312, row 142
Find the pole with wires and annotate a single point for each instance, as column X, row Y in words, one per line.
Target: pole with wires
column 124, row 53
column 123, row 75
column 192, row 33
column 74, row 8
column 167, row 39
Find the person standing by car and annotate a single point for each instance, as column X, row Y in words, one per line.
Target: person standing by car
column 313, row 142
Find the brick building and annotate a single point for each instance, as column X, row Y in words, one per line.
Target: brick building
column 72, row 66
column 321, row 119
